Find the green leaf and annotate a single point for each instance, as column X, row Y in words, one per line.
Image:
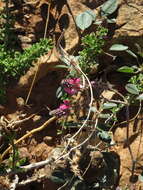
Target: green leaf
column 98, row 22
column 103, row 126
column 140, row 97
column 109, row 105
column 104, row 136
column 92, row 14
column 65, row 60
column 21, row 162
column 104, row 116
column 109, row 7
column 118, row 47
column 58, row 177
column 84, row 20
column 132, row 88
column 59, row 92
column 62, row 66
column 126, row 69
column 131, row 53
column 140, row 177
column 93, row 109
column 110, row 21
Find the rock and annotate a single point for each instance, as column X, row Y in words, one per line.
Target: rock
column 41, row 152
column 25, row 41
column 47, row 139
column 23, row 152
column 108, row 94
column 20, row 102
column 72, row 32
column 43, row 65
column 4, row 183
column 136, row 142
column 1, row 4
column 129, row 23
column 35, row 26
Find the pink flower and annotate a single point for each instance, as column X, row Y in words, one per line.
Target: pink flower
column 70, row 91
column 65, row 105
column 62, row 110
column 74, row 81
column 71, row 85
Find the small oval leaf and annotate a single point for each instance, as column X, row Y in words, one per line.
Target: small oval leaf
column 140, row 97
column 126, row 69
column 109, row 105
column 104, row 116
column 104, row 136
column 84, row 20
column 111, row 21
column 93, row 109
column 140, row 177
column 90, row 12
column 98, row 22
column 118, row 47
column 59, row 92
column 58, row 177
column 109, row 7
column 62, row 66
column 132, row 88
column 131, row 53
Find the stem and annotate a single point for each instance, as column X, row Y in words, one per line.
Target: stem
column 128, row 144
column 13, row 155
column 28, row 134
column 45, row 33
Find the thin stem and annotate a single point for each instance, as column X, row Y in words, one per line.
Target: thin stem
column 79, row 145
column 132, row 119
column 47, row 20
column 29, row 134
column 128, row 143
column 13, row 154
column 35, row 75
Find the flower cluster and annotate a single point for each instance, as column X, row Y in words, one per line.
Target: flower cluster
column 65, row 106
column 72, row 85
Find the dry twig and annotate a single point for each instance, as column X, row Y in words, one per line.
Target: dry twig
column 29, row 134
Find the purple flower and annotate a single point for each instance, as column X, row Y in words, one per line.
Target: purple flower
column 71, row 85
column 93, row 83
column 65, row 105
column 62, row 110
